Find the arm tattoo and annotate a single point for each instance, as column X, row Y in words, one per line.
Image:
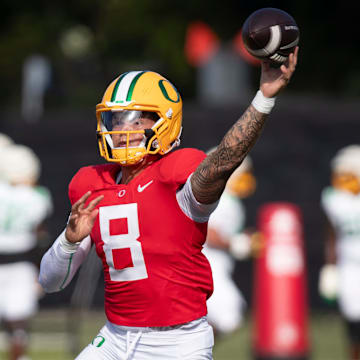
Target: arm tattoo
column 209, row 179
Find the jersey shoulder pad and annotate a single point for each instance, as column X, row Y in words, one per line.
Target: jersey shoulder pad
column 179, row 164
column 90, row 178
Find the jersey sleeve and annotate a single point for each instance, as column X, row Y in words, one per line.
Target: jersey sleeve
column 59, row 266
column 180, row 164
column 191, row 207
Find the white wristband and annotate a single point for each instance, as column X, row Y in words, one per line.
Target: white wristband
column 66, row 245
column 262, row 103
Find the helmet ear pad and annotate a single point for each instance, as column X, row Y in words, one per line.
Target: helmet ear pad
column 167, row 134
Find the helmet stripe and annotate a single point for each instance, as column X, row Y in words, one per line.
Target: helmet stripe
column 132, row 86
column 125, row 85
column 113, row 96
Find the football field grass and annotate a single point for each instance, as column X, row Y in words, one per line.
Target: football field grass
column 51, row 338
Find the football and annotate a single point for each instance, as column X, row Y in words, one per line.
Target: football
column 270, row 33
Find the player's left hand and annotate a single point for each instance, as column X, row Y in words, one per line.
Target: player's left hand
column 273, row 80
column 82, row 218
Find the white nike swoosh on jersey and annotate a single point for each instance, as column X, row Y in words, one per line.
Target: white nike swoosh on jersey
column 142, row 188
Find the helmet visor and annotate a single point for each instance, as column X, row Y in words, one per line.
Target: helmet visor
column 119, row 120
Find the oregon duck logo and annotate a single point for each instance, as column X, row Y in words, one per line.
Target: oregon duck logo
column 98, row 341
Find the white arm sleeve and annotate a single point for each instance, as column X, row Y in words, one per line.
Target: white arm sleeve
column 191, row 207
column 60, row 263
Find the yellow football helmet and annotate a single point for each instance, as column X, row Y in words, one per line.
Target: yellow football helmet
column 19, row 165
column 242, row 182
column 134, row 93
column 346, row 169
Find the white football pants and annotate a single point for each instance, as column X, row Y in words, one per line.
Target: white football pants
column 349, row 290
column 19, row 294
column 191, row 341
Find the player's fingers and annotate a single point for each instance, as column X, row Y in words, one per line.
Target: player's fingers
column 285, row 74
column 293, row 58
column 93, row 203
column 292, row 63
column 86, row 196
column 73, row 216
column 288, row 70
column 94, row 214
column 80, row 203
column 296, row 53
column 72, row 220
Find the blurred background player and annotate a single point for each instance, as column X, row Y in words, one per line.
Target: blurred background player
column 5, row 140
column 339, row 277
column 227, row 242
column 23, row 209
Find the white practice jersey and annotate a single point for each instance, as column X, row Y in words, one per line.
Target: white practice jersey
column 226, row 304
column 227, row 219
column 22, row 210
column 343, row 210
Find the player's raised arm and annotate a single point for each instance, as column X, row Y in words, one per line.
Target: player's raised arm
column 208, row 181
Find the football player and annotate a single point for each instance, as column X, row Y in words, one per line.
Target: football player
column 339, row 277
column 23, row 209
column 226, row 242
column 5, row 140
column 147, row 212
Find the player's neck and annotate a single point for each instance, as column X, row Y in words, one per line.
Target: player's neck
column 130, row 172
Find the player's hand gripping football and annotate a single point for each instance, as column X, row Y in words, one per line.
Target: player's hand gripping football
column 82, row 218
column 273, row 80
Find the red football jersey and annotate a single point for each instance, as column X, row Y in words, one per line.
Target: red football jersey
column 155, row 273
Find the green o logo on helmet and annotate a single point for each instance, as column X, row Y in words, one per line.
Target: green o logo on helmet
column 165, row 93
